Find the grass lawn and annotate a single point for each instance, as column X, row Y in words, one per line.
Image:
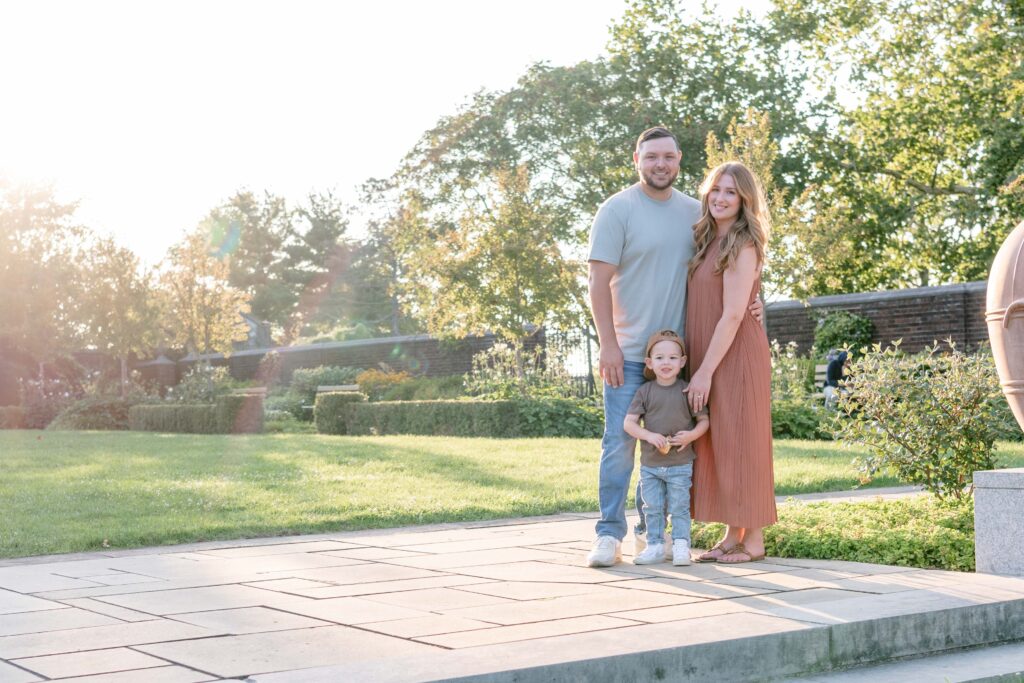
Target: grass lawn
column 77, row 491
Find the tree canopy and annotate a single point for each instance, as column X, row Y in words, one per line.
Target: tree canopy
column 889, row 135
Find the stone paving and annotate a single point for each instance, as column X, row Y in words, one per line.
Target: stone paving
column 449, row 601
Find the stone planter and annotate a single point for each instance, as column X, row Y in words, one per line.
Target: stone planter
column 1004, row 313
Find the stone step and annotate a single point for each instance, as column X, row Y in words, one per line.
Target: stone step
column 995, row 664
column 771, row 644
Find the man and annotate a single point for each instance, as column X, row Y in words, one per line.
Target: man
column 640, row 243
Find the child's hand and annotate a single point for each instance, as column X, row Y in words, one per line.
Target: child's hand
column 682, row 438
column 658, row 441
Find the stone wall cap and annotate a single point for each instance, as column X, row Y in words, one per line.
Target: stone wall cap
column 841, row 300
column 1000, row 479
column 352, row 343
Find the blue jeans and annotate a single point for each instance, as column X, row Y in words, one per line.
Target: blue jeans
column 618, row 450
column 659, row 483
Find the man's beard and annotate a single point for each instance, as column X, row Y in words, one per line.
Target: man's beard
column 648, row 180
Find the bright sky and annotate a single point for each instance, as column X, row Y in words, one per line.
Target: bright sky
column 152, row 113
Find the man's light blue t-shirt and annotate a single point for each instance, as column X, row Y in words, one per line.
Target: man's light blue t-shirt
column 650, row 242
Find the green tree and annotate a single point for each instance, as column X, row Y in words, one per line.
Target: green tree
column 39, row 273
column 286, row 259
column 119, row 304
column 201, row 310
column 923, row 159
column 251, row 234
column 500, row 269
column 574, row 127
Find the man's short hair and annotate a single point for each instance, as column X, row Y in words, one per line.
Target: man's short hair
column 654, row 134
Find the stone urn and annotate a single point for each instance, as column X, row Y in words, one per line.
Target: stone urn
column 1004, row 313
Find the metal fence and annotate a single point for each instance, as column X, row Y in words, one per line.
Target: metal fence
column 577, row 350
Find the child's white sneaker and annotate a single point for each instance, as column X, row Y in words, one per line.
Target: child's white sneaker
column 680, row 552
column 652, row 554
column 640, row 542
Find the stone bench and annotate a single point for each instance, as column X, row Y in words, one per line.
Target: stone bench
column 327, row 388
column 250, row 391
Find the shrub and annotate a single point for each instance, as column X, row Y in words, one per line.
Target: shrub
column 174, row 418
column 501, row 419
column 202, row 384
column 1006, row 425
column 427, row 389
column 289, row 402
column 509, row 370
column 268, row 373
column 331, row 412
column 279, row 422
column 922, row 531
column 240, row 414
column 306, row 380
column 800, row 418
column 93, row 413
column 842, row 330
column 375, row 382
column 931, row 417
column 12, row 417
column 792, row 374
column 43, row 401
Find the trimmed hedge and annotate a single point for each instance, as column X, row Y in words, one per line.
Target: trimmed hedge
column 12, row 417
column 499, row 419
column 229, row 415
column 93, row 413
column 176, row 418
column 331, row 411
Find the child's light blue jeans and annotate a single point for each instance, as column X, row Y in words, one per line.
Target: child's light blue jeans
column 673, row 483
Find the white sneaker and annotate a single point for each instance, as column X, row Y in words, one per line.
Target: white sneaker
column 605, row 552
column 652, row 554
column 681, row 553
column 640, row 542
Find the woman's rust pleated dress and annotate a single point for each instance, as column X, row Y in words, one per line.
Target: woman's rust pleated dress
column 733, row 481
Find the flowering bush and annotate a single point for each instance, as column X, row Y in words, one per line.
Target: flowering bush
column 374, row 383
column 306, row 380
column 202, row 384
column 509, row 370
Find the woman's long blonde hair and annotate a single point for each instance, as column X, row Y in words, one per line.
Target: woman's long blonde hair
column 752, row 224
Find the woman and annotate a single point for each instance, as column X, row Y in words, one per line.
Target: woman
column 733, row 479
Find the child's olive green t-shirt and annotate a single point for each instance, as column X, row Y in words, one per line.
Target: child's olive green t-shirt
column 664, row 410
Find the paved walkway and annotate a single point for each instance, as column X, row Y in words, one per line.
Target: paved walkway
column 465, row 600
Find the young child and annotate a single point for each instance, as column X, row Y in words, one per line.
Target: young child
column 667, row 424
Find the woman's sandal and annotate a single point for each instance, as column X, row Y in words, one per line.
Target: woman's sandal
column 708, row 557
column 739, row 549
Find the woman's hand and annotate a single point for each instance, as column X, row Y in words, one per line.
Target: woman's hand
column 698, row 392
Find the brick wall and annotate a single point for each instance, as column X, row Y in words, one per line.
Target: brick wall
column 919, row 316
column 418, row 354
